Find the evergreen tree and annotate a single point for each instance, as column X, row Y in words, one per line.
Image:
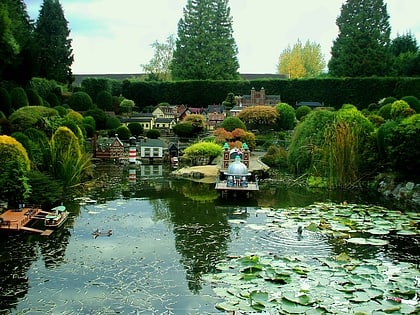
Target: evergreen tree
column 54, row 52
column 403, row 44
column 15, row 42
column 362, row 45
column 406, row 55
column 205, row 48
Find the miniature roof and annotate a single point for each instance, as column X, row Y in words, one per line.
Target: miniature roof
column 237, row 168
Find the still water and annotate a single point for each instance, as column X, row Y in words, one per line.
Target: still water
column 166, row 235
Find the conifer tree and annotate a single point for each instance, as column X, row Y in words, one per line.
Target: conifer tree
column 15, row 42
column 205, row 48
column 362, row 45
column 54, row 52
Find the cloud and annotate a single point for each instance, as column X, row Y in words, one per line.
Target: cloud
column 115, row 36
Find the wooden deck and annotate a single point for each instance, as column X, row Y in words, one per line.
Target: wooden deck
column 18, row 219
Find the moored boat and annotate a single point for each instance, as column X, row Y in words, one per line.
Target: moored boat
column 56, row 217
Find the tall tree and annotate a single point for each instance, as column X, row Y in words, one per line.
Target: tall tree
column 406, row 55
column 403, row 44
column 158, row 67
column 16, row 61
column 362, row 45
column 205, row 47
column 302, row 61
column 54, row 52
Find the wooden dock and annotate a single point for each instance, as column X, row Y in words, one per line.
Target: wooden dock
column 18, row 219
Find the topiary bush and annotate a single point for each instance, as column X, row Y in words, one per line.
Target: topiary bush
column 385, row 111
column 136, row 129
column 153, row 133
column 287, row 118
column 14, row 167
column 112, row 122
column 80, row 101
column 413, row 101
column 18, row 98
column 398, row 109
column 104, row 100
column 302, row 111
column 99, row 116
column 231, row 123
column 53, row 100
column 387, row 100
column 383, row 139
column 123, row 132
column 33, row 98
column 32, row 116
column 404, row 149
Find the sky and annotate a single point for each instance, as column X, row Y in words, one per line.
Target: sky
column 111, row 36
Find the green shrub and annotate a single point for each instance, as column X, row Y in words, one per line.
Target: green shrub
column 413, row 101
column 80, row 101
column 104, row 100
column 398, row 109
column 302, row 111
column 89, row 120
column 39, row 148
column 287, row 118
column 199, row 150
column 275, row 157
column 387, row 100
column 53, row 100
column 373, row 107
column 19, row 98
column 383, row 138
column 32, row 116
column 376, row 120
column 385, row 111
column 44, row 188
column 68, row 161
column 404, row 148
column 45, row 87
column 112, row 122
column 14, row 167
column 99, row 116
column 136, row 129
column 307, row 140
column 123, row 132
column 93, row 86
column 184, row 129
column 33, row 98
column 62, row 111
column 231, row 123
column 153, row 133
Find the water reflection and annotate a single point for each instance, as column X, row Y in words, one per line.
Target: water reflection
column 167, row 234
column 201, row 237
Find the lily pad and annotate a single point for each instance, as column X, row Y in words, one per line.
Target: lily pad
column 367, row 241
column 378, row 231
column 294, row 308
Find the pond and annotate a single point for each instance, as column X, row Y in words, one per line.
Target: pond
column 176, row 248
